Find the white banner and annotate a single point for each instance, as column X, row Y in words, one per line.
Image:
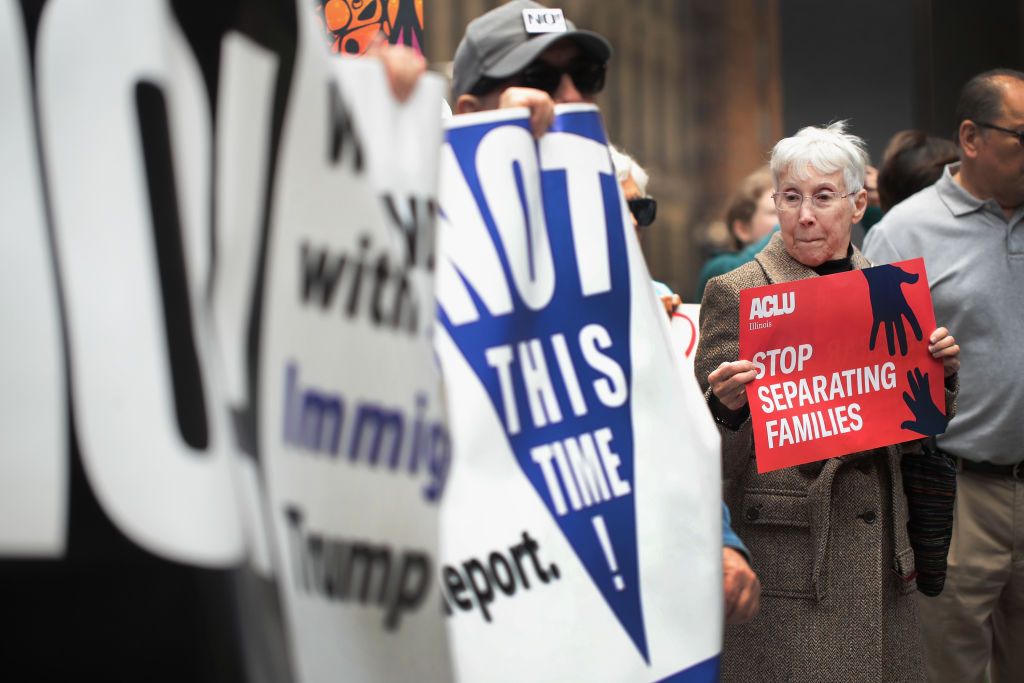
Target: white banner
column 582, row 524
column 33, row 424
column 351, row 435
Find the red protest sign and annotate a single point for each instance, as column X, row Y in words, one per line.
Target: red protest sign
column 843, row 364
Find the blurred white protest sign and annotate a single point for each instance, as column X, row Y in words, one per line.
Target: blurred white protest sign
column 350, row 432
column 185, row 335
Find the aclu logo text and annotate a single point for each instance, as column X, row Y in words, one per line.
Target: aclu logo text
column 772, row 305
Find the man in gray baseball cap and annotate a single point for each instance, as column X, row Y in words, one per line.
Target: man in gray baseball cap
column 524, row 54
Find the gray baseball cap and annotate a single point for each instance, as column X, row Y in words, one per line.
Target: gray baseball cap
column 504, row 41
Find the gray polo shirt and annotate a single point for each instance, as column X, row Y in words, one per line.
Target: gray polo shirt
column 975, row 263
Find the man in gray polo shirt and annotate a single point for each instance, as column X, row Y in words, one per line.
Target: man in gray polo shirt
column 969, row 227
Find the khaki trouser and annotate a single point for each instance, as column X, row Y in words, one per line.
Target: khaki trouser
column 979, row 616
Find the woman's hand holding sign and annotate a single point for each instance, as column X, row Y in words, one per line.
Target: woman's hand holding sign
column 928, row 419
column 943, row 346
column 729, row 383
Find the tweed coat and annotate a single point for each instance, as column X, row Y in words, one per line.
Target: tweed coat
column 828, row 540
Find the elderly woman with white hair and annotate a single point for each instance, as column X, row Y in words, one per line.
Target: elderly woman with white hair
column 828, row 539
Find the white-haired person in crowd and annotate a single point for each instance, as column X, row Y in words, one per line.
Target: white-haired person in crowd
column 642, row 208
column 828, row 539
column 741, row 588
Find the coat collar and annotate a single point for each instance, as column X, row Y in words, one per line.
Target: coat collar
column 779, row 266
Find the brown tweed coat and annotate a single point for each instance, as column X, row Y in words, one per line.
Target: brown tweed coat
column 828, row 540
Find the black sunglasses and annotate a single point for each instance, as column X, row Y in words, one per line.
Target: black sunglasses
column 644, row 209
column 586, row 74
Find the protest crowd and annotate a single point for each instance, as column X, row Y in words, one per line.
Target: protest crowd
column 848, row 384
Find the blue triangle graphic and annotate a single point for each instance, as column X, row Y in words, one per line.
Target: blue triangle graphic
column 581, row 465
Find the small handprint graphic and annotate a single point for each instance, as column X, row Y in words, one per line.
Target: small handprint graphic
column 928, row 419
column 889, row 306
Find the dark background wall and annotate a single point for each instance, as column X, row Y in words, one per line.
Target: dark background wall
column 954, row 41
column 889, row 65
column 848, row 61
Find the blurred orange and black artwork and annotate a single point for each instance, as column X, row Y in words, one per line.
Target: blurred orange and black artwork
column 351, row 25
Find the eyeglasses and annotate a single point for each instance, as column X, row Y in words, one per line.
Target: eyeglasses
column 586, row 74
column 792, row 201
column 644, row 209
column 1015, row 133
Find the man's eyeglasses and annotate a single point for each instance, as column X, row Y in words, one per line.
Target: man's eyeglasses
column 1015, row 133
column 792, row 201
column 644, row 209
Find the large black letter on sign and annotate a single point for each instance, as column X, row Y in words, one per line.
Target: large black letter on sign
column 163, row 202
column 343, row 137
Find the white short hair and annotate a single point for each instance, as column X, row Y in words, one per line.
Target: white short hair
column 827, row 150
column 626, row 166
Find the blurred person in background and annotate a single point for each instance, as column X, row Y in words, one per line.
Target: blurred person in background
column 873, row 213
column 643, row 210
column 751, row 218
column 913, row 160
column 752, row 213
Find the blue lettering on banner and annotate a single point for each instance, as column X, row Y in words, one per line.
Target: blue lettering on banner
column 376, row 436
column 540, row 308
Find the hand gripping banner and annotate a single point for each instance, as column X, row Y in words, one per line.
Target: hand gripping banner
column 555, row 353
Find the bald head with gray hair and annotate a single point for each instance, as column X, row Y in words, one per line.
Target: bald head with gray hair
column 827, row 150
